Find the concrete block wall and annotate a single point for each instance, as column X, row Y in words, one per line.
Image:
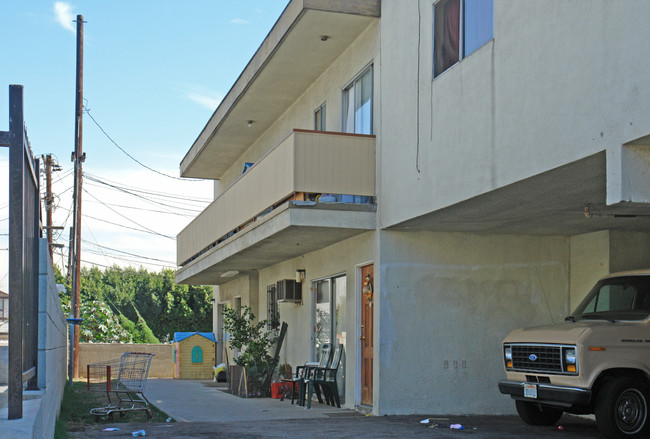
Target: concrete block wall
column 4, row 363
column 41, row 407
column 162, row 363
column 445, row 303
column 52, row 347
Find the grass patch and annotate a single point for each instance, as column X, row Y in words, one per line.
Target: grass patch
column 75, row 411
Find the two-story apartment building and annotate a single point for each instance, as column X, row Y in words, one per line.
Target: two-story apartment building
column 435, row 173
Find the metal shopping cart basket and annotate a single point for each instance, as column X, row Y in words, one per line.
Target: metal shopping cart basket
column 124, row 379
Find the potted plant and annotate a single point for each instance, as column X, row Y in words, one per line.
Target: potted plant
column 254, row 342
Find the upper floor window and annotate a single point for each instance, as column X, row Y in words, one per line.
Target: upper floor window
column 319, row 118
column 357, row 104
column 459, row 28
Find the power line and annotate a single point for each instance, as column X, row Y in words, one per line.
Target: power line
column 165, row 212
column 87, row 111
column 127, row 253
column 130, row 228
column 123, row 259
column 107, row 181
column 125, row 217
column 149, row 200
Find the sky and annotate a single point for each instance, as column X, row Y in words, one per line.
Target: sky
column 154, row 72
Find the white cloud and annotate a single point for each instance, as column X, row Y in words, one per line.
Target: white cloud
column 64, row 15
column 239, row 21
column 208, row 101
column 198, row 94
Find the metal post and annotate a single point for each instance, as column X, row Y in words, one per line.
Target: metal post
column 16, row 246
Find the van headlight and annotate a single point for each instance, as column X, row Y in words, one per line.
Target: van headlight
column 507, row 353
column 570, row 360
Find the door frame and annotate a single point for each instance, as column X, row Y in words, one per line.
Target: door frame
column 357, row 331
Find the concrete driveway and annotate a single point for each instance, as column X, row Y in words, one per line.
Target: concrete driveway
column 204, row 411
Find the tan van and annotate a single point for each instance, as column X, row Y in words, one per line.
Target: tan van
column 597, row 361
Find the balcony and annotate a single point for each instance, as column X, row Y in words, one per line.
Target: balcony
column 305, row 41
column 273, row 211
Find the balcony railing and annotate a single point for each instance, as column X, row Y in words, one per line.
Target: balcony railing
column 303, row 162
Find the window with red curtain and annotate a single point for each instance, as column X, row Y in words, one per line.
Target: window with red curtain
column 450, row 33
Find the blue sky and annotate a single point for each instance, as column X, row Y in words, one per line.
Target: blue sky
column 153, row 74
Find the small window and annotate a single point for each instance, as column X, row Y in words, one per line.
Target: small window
column 197, row 354
column 451, row 33
column 319, row 118
column 272, row 313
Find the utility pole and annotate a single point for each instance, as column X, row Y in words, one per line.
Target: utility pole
column 49, row 202
column 70, row 254
column 78, row 158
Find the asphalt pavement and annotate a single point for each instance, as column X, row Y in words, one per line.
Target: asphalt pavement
column 201, row 410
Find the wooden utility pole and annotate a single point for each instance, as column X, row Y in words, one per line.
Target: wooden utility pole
column 78, row 157
column 49, row 202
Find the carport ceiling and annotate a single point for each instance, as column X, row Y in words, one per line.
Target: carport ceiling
column 551, row 203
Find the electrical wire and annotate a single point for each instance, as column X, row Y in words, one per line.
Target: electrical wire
column 127, row 253
column 124, row 216
column 87, row 111
column 123, row 259
column 164, row 212
column 151, row 201
column 185, row 197
column 130, row 228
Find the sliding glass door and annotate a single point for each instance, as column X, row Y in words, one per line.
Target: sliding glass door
column 329, row 318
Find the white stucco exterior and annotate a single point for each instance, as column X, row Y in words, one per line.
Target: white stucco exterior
column 504, row 188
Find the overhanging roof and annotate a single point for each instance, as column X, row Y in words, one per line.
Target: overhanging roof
column 568, row 200
column 306, row 39
column 290, row 231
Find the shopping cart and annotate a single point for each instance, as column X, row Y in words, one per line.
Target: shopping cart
column 124, row 379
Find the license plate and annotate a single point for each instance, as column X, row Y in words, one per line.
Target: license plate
column 530, row 391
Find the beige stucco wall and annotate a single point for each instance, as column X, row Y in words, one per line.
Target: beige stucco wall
column 162, row 363
column 327, row 88
column 341, row 258
column 447, row 302
column 531, row 100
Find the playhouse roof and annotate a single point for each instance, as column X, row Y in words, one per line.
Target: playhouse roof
column 180, row 336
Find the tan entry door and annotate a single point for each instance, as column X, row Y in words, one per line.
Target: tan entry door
column 367, row 298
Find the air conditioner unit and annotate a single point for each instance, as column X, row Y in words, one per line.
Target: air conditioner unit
column 288, row 290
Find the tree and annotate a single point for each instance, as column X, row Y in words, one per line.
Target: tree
column 149, row 306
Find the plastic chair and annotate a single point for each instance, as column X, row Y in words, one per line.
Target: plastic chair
column 326, row 378
column 309, row 384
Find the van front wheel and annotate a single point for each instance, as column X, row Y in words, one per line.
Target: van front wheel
column 622, row 409
column 533, row 413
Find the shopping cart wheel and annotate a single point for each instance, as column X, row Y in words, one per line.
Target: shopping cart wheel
column 122, row 415
column 110, row 417
column 149, row 414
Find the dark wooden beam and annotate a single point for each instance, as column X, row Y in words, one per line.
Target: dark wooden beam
column 4, row 138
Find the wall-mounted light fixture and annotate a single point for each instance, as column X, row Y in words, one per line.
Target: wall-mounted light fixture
column 230, row 273
column 250, row 123
column 324, row 37
column 300, row 276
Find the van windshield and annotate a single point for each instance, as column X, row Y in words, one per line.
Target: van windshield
column 619, row 298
